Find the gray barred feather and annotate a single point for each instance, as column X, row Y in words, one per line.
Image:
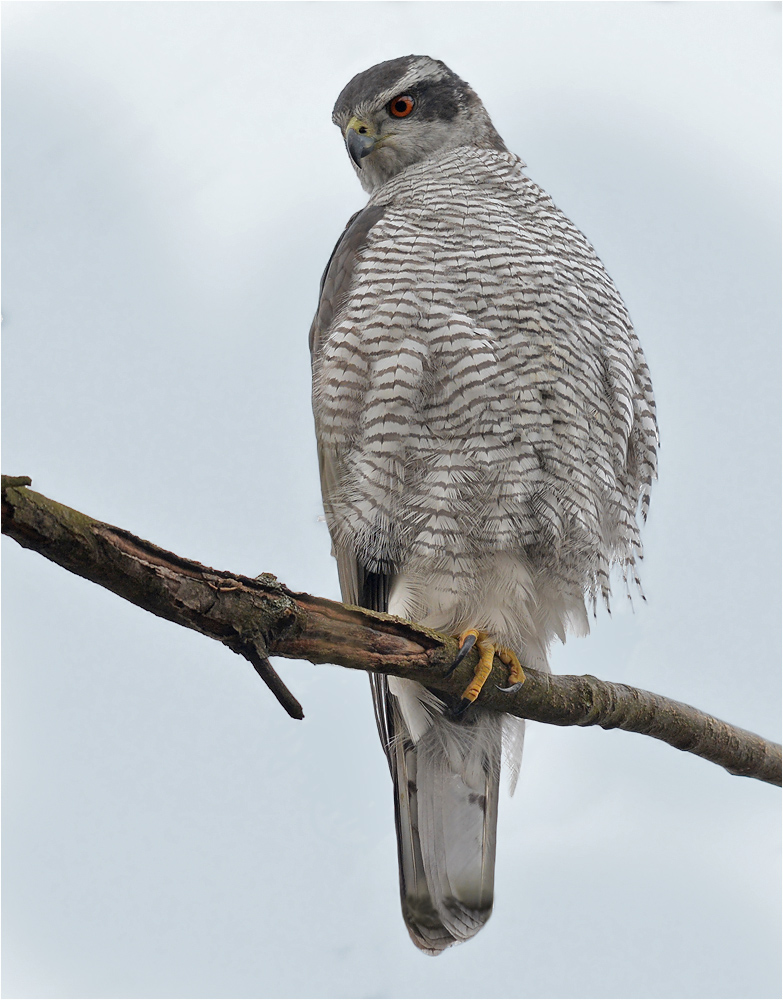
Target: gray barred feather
column 487, row 439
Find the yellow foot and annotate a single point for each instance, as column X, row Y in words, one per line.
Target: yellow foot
column 516, row 675
column 487, row 650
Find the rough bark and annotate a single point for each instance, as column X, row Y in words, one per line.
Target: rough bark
column 261, row 617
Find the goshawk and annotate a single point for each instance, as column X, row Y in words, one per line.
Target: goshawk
column 487, row 439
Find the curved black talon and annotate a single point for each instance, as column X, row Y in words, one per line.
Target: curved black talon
column 459, row 710
column 510, row 690
column 464, row 649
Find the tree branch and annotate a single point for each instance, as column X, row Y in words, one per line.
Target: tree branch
column 260, row 617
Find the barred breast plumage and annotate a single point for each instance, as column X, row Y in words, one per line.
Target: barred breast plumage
column 487, row 434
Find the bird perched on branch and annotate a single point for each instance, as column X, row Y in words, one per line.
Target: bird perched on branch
column 487, row 439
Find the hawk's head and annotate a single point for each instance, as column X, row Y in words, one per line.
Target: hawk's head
column 404, row 110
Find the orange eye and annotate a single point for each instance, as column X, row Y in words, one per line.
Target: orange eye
column 401, row 106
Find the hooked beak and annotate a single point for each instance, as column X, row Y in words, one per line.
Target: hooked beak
column 359, row 140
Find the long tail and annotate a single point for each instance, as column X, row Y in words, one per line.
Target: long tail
column 446, row 778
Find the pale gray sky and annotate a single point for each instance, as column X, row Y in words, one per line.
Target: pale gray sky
column 172, row 187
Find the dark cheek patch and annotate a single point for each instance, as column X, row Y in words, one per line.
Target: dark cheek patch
column 440, row 100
